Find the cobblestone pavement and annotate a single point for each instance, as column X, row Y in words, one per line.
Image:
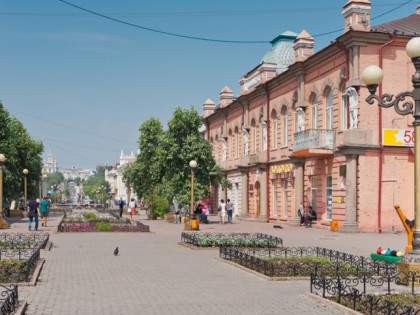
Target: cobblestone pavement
column 153, row 274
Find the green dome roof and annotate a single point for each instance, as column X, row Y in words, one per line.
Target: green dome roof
column 281, row 52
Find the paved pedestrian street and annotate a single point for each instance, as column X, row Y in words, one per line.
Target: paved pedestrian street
column 154, row 274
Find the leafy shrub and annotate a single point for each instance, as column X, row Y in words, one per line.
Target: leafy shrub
column 103, row 227
column 90, row 216
column 14, row 244
column 12, row 270
column 232, row 241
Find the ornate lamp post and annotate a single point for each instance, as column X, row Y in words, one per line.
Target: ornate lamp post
column 2, row 159
column 372, row 77
column 41, row 186
column 193, row 166
column 25, row 185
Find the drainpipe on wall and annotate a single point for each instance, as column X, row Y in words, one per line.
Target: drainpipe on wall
column 267, row 100
column 381, row 150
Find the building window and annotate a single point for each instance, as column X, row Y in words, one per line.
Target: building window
column 329, row 110
column 329, row 197
column 314, row 111
column 344, row 109
column 285, row 137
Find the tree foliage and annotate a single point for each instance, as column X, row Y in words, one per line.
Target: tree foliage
column 162, row 166
column 21, row 152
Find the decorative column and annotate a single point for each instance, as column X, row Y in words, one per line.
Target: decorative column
column 244, row 193
column 298, row 188
column 263, row 217
column 351, row 224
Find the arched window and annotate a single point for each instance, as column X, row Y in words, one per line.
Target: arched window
column 284, row 127
column 314, row 112
column 329, row 109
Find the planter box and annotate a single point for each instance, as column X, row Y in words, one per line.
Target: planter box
column 405, row 268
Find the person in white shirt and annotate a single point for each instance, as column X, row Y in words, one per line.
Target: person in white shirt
column 222, row 211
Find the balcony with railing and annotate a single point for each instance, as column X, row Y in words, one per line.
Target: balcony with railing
column 314, row 142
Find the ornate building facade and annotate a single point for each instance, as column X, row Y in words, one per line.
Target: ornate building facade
column 301, row 131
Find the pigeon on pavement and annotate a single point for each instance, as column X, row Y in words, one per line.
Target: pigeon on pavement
column 116, row 251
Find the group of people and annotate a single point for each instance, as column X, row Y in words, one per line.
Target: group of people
column 132, row 205
column 225, row 208
column 38, row 208
column 306, row 216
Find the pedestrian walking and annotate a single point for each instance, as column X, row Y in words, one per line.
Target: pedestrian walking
column 222, row 211
column 44, row 207
column 121, row 205
column 33, row 214
column 229, row 207
column 178, row 214
column 132, row 207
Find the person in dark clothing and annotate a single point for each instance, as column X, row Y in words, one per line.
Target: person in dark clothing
column 199, row 212
column 310, row 216
column 121, row 205
column 33, row 214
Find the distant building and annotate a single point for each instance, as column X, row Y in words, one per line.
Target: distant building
column 50, row 165
column 75, row 172
column 115, row 177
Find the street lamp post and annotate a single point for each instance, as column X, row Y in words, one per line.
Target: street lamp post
column 25, row 184
column 41, row 186
column 193, row 166
column 2, row 159
column 372, row 77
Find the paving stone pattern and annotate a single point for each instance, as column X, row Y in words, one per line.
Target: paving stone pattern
column 153, row 274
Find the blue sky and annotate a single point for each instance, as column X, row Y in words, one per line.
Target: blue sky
column 83, row 84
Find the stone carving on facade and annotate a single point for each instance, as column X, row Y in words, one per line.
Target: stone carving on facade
column 245, row 134
column 353, row 106
column 224, row 150
column 300, row 119
column 264, row 135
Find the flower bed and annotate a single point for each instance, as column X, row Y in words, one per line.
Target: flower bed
column 230, row 239
column 23, row 240
column 98, row 222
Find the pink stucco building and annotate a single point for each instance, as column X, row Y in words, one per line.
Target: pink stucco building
column 301, row 130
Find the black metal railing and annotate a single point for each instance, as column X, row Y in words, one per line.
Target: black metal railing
column 20, row 264
column 9, row 299
column 23, row 240
column 201, row 239
column 304, row 261
column 372, row 294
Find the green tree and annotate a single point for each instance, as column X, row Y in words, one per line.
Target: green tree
column 146, row 173
column 183, row 143
column 21, row 152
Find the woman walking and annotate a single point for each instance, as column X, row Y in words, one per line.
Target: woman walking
column 222, row 211
column 132, row 206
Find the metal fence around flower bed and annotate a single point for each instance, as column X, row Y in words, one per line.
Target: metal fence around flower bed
column 23, row 240
column 304, row 261
column 373, row 294
column 123, row 225
column 9, row 299
column 200, row 239
column 17, row 265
